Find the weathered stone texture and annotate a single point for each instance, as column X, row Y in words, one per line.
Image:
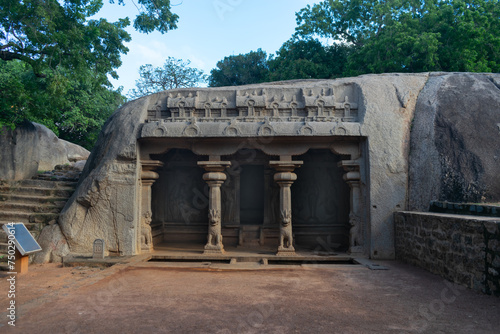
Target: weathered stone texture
column 32, row 147
column 455, row 140
column 54, row 245
column 103, row 206
column 462, row 249
column 387, row 110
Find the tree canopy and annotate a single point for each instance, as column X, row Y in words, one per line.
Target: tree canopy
column 241, row 69
column 175, row 73
column 409, row 36
column 307, row 59
column 55, row 61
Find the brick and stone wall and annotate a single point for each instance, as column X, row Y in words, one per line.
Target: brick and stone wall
column 462, row 249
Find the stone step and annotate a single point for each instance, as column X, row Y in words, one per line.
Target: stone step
column 32, row 207
column 40, row 183
column 26, row 217
column 73, row 177
column 27, row 199
column 249, row 235
column 54, row 192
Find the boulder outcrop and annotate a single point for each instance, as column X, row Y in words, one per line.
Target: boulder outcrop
column 32, row 147
column 455, row 141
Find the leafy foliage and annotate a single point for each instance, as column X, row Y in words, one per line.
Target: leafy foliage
column 308, row 59
column 242, row 69
column 73, row 105
column 409, row 36
column 55, row 62
column 175, row 73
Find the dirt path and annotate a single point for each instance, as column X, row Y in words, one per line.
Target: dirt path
column 342, row 299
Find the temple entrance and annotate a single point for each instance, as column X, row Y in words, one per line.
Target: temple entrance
column 252, row 195
column 320, row 202
column 250, row 201
column 179, row 200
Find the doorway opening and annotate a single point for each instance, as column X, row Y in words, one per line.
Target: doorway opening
column 252, row 195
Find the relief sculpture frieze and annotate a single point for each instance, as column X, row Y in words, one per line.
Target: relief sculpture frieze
column 322, row 103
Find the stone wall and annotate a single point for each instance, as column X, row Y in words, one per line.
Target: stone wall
column 462, row 249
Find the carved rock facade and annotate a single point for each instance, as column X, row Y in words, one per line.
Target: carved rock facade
column 287, row 165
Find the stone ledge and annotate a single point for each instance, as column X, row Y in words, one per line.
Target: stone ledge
column 470, row 209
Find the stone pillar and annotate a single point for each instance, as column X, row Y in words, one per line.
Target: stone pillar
column 356, row 235
column 285, row 178
column 148, row 177
column 214, row 178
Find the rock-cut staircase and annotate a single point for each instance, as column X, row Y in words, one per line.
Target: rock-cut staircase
column 35, row 203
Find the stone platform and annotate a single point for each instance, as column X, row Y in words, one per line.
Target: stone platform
column 191, row 255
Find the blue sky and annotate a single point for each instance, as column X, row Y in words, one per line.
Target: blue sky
column 208, row 31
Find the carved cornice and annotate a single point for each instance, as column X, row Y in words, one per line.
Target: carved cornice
column 322, row 103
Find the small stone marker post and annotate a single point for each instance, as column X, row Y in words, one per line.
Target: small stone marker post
column 98, row 249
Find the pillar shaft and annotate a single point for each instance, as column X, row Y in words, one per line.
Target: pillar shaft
column 214, row 178
column 285, row 178
column 148, row 178
column 353, row 179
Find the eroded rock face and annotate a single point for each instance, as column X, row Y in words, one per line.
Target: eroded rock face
column 32, row 147
column 103, row 206
column 455, row 141
column 18, row 156
column 54, row 151
column 53, row 243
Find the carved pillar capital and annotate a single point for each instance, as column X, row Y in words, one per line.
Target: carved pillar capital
column 214, row 177
column 285, row 166
column 285, row 178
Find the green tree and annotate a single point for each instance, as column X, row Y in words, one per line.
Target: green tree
column 409, row 36
column 73, row 105
column 308, row 59
column 55, row 61
column 175, row 73
column 242, row 69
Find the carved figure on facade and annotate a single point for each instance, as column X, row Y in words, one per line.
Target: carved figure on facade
column 306, row 130
column 289, row 104
column 214, row 230
column 266, row 129
column 154, row 129
column 355, row 233
column 233, row 129
column 146, row 236
column 193, row 129
column 286, row 237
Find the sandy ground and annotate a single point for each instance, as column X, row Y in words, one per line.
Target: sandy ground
column 156, row 299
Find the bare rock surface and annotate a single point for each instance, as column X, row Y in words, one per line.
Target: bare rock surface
column 455, row 141
column 32, row 147
column 18, row 156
